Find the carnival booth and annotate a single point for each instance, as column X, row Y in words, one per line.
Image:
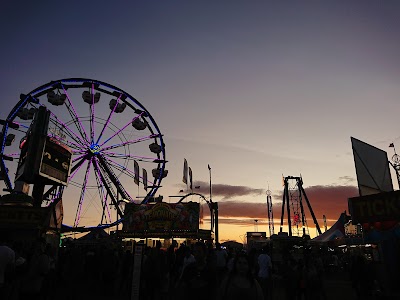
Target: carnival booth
column 166, row 221
column 377, row 209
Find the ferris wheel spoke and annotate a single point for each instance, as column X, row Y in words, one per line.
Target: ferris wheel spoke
column 104, row 213
column 76, row 148
column 132, row 157
column 76, row 168
column 120, row 167
column 108, row 120
column 21, row 125
column 79, row 152
column 90, row 203
column 74, row 116
column 92, row 116
column 114, row 178
column 103, row 197
column 68, row 130
column 127, row 143
column 125, row 170
column 116, row 133
column 83, row 190
column 78, row 158
column 108, row 184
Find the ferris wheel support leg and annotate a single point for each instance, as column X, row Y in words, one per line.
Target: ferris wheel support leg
column 283, row 210
column 37, row 194
column 311, row 211
column 288, row 206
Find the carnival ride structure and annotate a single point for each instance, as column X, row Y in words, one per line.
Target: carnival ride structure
column 84, row 142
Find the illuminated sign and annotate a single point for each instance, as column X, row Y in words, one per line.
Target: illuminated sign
column 257, row 234
column 375, row 208
column 56, row 161
column 162, row 217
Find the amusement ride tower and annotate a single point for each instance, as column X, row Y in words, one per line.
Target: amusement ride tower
column 293, row 199
column 270, row 213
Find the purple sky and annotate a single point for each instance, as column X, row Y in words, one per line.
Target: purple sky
column 255, row 89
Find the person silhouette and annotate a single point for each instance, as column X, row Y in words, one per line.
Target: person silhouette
column 198, row 280
column 240, row 283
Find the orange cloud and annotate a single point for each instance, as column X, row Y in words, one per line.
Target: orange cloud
column 225, row 191
column 330, row 201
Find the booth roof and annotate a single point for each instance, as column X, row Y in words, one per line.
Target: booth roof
column 336, row 231
column 94, row 235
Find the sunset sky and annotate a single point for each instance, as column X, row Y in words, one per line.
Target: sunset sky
column 255, row 89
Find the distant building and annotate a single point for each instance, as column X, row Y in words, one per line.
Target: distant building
column 256, row 240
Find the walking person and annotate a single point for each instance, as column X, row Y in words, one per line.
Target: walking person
column 199, row 280
column 221, row 260
column 7, row 264
column 240, row 283
column 38, row 268
column 265, row 273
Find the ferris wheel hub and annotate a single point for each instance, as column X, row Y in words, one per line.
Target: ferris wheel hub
column 94, row 148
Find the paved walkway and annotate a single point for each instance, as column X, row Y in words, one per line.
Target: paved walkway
column 336, row 286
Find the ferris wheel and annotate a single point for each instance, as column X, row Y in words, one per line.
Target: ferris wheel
column 98, row 144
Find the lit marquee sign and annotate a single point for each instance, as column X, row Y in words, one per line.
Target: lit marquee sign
column 44, row 156
column 55, row 161
column 375, row 208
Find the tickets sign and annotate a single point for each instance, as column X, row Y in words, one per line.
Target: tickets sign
column 375, row 208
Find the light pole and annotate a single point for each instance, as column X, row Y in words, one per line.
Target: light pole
column 214, row 206
column 209, row 170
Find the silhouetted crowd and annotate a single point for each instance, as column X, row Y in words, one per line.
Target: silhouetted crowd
column 197, row 271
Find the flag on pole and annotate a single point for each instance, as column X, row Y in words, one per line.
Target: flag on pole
column 136, row 171
column 190, row 178
column 144, row 178
column 185, row 171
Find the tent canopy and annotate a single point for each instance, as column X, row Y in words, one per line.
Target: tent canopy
column 336, row 231
column 94, row 235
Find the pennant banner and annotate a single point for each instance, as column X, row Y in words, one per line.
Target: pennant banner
column 145, row 179
column 190, row 178
column 136, row 171
column 185, row 171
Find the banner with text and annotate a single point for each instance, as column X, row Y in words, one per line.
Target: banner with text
column 161, row 216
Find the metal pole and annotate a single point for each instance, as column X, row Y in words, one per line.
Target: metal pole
column 209, row 169
column 311, row 210
column 283, row 209
column 216, row 222
column 214, row 212
column 287, row 205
